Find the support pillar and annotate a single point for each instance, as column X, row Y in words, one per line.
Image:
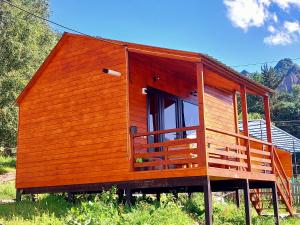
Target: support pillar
column 18, row 195
column 247, row 202
column 70, row 197
column 237, row 198
column 275, row 203
column 208, row 202
column 128, row 196
column 158, row 196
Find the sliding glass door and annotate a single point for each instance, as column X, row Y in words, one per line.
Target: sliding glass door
column 166, row 111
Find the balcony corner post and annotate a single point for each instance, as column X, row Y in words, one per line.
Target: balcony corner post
column 245, row 124
column 201, row 131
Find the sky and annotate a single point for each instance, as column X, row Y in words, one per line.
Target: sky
column 236, row 32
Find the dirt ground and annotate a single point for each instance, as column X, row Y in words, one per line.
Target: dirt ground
column 7, row 177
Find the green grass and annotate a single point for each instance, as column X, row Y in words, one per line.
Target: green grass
column 7, row 164
column 105, row 209
column 7, row 190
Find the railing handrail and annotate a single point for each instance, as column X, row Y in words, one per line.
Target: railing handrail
column 232, row 134
column 166, row 131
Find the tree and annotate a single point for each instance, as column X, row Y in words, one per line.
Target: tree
column 25, row 42
column 269, row 77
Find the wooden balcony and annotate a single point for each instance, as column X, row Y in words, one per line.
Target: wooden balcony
column 225, row 151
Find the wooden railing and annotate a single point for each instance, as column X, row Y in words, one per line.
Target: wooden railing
column 161, row 154
column 233, row 151
column 283, row 181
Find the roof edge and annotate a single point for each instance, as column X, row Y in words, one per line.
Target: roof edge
column 42, row 67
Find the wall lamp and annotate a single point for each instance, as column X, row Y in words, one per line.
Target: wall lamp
column 111, row 72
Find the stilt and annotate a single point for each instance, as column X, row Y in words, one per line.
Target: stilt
column 18, row 195
column 120, row 194
column 158, row 196
column 128, row 196
column 247, row 202
column 275, row 203
column 70, row 197
column 33, row 198
column 189, row 195
column 237, row 198
column 208, row 201
column 175, row 194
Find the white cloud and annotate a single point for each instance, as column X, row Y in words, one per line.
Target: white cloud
column 288, row 34
column 279, row 38
column 258, row 13
column 285, row 4
column 292, row 27
column 271, row 29
column 247, row 13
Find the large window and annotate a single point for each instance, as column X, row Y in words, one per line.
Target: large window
column 190, row 117
column 166, row 111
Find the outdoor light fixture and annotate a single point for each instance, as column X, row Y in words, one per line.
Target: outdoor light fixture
column 194, row 93
column 155, row 78
column 111, row 72
column 144, row 91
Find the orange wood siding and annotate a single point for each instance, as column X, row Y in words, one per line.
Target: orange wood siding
column 286, row 161
column 73, row 121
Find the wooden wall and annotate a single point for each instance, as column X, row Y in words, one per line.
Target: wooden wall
column 286, row 161
column 219, row 109
column 73, row 121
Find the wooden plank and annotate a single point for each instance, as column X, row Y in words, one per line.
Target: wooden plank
column 257, row 159
column 259, row 167
column 225, row 144
column 257, row 151
column 166, row 162
column 165, row 153
column 166, row 143
column 224, row 153
column 166, row 131
column 226, row 162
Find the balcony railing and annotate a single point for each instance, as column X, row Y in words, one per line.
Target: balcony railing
column 225, row 150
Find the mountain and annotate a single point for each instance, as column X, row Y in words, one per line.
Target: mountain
column 286, row 68
column 290, row 71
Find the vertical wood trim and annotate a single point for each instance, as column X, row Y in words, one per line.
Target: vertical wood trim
column 208, row 201
column 236, row 114
column 201, row 136
column 245, row 123
column 269, row 129
column 247, row 202
column 130, row 140
column 268, row 118
column 275, row 203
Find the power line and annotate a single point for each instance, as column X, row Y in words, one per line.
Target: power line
column 261, row 63
column 82, row 33
column 42, row 18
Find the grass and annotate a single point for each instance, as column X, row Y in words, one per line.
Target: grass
column 7, row 164
column 7, row 190
column 105, row 209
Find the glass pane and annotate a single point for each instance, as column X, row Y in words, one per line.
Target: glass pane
column 169, row 117
column 190, row 117
column 153, row 117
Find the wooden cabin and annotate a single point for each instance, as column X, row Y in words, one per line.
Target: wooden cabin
column 101, row 112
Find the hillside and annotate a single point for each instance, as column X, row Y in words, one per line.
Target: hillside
column 290, row 72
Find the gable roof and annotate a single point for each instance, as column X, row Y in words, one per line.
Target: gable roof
column 209, row 61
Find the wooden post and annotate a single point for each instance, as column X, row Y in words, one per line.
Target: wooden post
column 208, row 201
column 275, row 203
column 269, row 129
column 70, row 197
column 237, row 198
column 247, row 202
column 245, row 124
column 158, row 196
column 18, row 195
column 201, row 136
column 128, row 196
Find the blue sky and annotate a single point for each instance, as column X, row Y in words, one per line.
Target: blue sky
column 236, row 32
